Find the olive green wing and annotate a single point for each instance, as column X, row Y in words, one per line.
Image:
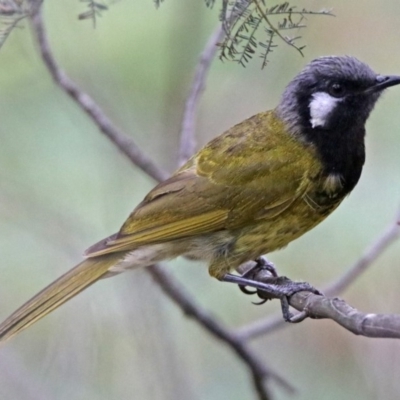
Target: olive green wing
column 170, row 211
column 248, row 173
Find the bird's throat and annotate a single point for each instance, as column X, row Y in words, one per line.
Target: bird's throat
column 340, row 158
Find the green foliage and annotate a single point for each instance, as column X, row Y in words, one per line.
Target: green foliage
column 252, row 28
column 94, row 10
column 247, row 24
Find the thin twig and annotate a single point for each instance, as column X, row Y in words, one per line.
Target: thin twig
column 178, row 294
column 386, row 238
column 272, row 27
column 188, row 143
column 124, row 143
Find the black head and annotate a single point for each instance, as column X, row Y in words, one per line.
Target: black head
column 327, row 105
column 332, row 93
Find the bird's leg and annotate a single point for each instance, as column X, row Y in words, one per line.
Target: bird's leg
column 275, row 287
column 264, row 278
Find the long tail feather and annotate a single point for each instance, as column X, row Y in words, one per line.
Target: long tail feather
column 57, row 293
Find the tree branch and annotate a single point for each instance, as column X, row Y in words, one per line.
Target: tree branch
column 188, row 143
column 370, row 325
column 179, row 296
column 322, row 307
column 123, row 142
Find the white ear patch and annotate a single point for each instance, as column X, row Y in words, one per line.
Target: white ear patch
column 321, row 106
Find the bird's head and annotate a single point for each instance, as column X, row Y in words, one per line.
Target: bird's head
column 334, row 93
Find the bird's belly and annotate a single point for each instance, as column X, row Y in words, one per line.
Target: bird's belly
column 234, row 246
column 202, row 247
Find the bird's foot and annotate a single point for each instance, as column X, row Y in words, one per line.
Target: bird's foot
column 262, row 267
column 264, row 278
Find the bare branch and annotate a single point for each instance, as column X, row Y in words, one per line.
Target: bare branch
column 188, row 143
column 178, row 294
column 8, row 26
column 377, row 247
column 124, row 143
column 370, row 325
column 319, row 306
column 12, row 12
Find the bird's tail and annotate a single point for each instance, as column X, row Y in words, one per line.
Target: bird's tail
column 57, row 293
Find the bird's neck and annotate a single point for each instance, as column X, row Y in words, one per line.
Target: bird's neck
column 340, row 148
column 341, row 151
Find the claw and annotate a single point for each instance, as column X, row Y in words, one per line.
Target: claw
column 246, row 291
column 261, row 264
column 259, row 303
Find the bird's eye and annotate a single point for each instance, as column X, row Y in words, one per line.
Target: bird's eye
column 336, row 89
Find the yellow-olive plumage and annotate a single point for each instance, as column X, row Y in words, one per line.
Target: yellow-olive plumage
column 252, row 190
column 257, row 203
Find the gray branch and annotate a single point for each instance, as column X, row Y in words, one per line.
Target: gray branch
column 178, row 294
column 122, row 141
column 188, row 142
column 359, row 323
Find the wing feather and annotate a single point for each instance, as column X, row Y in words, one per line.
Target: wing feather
column 242, row 176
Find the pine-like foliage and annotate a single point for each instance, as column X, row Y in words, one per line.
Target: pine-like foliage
column 252, row 27
column 94, row 10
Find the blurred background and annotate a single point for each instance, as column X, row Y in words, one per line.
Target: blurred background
column 64, row 186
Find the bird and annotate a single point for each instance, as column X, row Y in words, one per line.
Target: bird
column 252, row 190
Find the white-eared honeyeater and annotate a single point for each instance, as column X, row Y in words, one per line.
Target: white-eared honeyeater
column 253, row 189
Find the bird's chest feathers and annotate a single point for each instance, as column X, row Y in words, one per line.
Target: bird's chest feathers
column 337, row 172
column 325, row 191
column 340, row 171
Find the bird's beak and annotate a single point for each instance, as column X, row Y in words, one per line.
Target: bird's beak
column 383, row 82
